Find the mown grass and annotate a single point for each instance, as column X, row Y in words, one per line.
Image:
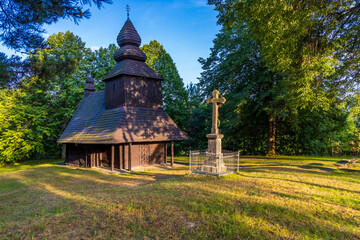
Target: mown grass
column 270, row 198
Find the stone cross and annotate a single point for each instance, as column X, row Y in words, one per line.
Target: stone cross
column 217, row 102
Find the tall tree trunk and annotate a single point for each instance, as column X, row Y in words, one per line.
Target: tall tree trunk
column 271, row 136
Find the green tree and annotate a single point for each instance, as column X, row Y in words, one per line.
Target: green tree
column 55, row 82
column 314, row 43
column 100, row 63
column 35, row 112
column 12, row 70
column 175, row 96
column 199, row 122
column 21, row 21
column 236, row 68
column 23, row 126
column 274, row 60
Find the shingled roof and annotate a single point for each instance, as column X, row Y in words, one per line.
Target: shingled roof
column 92, row 124
column 130, row 58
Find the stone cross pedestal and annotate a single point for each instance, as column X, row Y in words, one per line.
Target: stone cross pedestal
column 214, row 162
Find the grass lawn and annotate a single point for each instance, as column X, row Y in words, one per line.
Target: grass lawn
column 270, row 198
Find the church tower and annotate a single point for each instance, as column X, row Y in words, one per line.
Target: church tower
column 131, row 82
column 125, row 125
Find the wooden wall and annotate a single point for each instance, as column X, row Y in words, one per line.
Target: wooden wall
column 133, row 91
column 114, row 93
column 75, row 155
column 140, row 154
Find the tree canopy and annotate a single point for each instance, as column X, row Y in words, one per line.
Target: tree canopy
column 35, row 111
column 21, row 21
column 315, row 43
column 273, row 60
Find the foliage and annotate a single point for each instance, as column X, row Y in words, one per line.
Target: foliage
column 236, row 68
column 272, row 63
column 199, row 122
column 314, row 43
column 36, row 111
column 21, row 21
column 101, row 63
column 12, row 70
column 23, row 126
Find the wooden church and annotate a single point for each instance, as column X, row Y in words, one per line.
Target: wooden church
column 123, row 126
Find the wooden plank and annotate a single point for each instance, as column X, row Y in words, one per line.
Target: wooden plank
column 63, row 154
column 172, row 153
column 129, row 156
column 86, row 158
column 126, row 156
column 92, row 158
column 97, row 159
column 120, row 156
column 112, row 157
column 100, row 159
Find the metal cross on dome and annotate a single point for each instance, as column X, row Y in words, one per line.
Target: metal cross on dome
column 216, row 102
column 128, row 10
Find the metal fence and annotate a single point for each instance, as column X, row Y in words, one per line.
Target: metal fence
column 202, row 162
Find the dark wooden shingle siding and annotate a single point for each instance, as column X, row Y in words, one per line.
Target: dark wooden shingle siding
column 133, row 68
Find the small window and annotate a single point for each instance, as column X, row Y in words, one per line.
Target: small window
column 114, row 87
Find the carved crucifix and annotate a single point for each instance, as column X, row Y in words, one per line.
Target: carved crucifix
column 216, row 102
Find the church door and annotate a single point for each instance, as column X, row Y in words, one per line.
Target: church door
column 144, row 154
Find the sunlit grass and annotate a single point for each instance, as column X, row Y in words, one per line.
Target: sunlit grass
column 270, row 198
column 24, row 165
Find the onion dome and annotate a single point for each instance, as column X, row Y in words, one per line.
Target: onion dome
column 89, row 86
column 128, row 35
column 129, row 52
column 130, row 59
column 129, row 42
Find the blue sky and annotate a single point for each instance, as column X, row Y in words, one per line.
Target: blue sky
column 185, row 28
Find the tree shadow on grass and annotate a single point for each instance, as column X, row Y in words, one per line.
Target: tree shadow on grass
column 268, row 220
column 303, row 182
column 67, row 203
column 318, row 166
column 312, row 168
column 315, row 169
column 289, row 159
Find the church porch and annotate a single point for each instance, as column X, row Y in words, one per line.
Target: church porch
column 117, row 156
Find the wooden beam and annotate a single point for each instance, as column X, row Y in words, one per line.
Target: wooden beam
column 126, row 156
column 92, row 158
column 165, row 153
column 63, row 154
column 95, row 158
column 120, row 156
column 100, row 158
column 129, row 156
column 112, row 157
column 172, row 153
column 86, row 158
